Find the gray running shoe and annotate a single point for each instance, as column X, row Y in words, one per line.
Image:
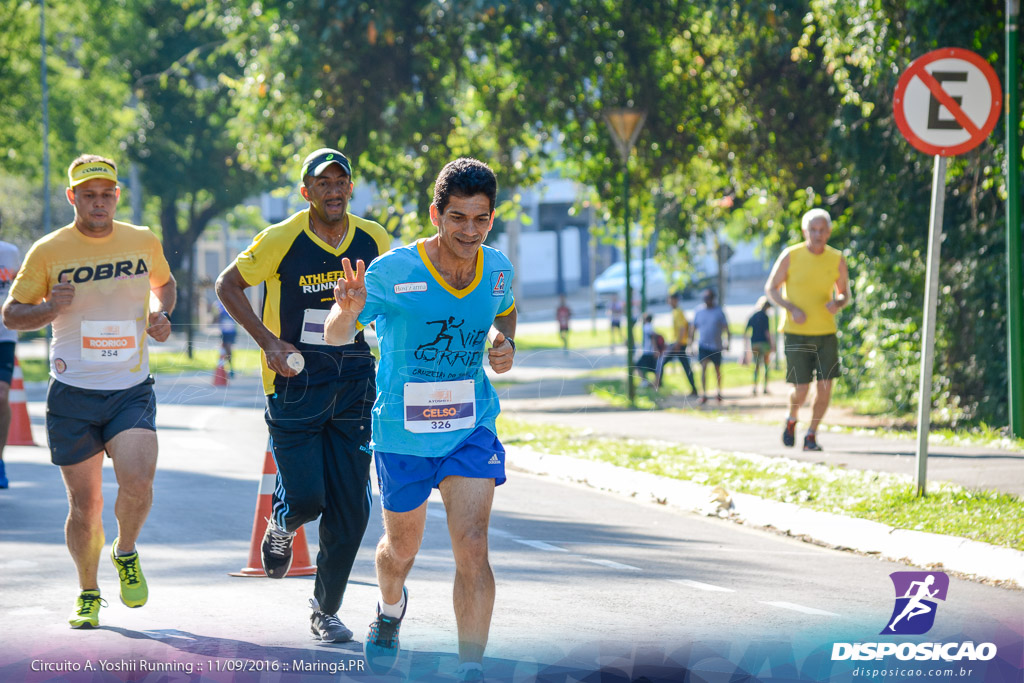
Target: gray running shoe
column 276, row 551
column 327, row 627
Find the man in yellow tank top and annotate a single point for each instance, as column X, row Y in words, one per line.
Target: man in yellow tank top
column 811, row 284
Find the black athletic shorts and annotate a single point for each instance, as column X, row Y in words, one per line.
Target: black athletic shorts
column 808, row 356
column 707, row 353
column 6, row 361
column 80, row 422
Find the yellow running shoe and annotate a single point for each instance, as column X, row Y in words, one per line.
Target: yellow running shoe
column 87, row 610
column 134, row 591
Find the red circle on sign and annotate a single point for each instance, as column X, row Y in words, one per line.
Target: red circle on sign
column 915, row 70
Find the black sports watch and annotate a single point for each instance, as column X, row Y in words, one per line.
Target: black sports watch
column 165, row 314
column 512, row 342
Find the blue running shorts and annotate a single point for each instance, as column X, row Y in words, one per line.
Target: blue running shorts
column 405, row 481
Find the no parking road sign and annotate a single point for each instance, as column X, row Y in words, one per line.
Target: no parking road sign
column 947, row 101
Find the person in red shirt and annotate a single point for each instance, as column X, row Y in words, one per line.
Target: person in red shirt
column 562, row 314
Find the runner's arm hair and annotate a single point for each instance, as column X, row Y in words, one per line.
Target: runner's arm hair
column 845, row 298
column 506, row 324
column 24, row 317
column 772, row 288
column 164, row 297
column 230, row 290
column 339, row 328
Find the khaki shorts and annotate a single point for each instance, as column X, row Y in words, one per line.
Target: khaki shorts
column 810, row 355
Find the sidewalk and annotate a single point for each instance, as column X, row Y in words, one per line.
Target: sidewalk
column 549, row 387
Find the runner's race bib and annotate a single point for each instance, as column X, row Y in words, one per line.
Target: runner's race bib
column 440, row 406
column 109, row 341
column 313, row 326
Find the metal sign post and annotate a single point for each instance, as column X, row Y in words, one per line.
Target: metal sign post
column 931, row 298
column 625, row 125
column 1014, row 278
column 946, row 103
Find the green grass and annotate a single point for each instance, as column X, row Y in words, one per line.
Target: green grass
column 987, row 516
column 610, row 385
column 169, row 362
column 34, row 369
column 587, row 339
column 578, row 339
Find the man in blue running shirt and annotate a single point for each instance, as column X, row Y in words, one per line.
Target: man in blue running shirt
column 434, row 303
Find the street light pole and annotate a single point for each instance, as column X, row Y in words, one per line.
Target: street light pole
column 46, row 119
column 630, row 388
column 625, row 125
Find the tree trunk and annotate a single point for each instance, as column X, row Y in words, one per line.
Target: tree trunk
column 179, row 252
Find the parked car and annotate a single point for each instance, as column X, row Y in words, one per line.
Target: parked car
column 694, row 289
column 613, row 280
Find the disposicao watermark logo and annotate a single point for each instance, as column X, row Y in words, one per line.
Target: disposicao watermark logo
column 916, row 595
column 914, row 614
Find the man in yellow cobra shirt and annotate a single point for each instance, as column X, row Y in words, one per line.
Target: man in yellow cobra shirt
column 106, row 288
column 811, row 284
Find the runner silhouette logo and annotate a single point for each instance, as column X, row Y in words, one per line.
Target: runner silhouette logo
column 916, row 595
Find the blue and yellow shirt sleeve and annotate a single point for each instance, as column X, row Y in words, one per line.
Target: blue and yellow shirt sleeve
column 508, row 302
column 376, row 293
column 260, row 260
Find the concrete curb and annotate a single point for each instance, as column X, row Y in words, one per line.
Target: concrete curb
column 981, row 560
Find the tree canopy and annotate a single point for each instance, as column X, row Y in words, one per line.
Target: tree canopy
column 756, row 112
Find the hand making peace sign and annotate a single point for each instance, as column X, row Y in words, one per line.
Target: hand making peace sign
column 350, row 291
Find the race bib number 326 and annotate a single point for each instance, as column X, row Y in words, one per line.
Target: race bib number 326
column 440, row 406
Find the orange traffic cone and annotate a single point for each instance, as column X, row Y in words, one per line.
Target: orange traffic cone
column 301, row 565
column 20, row 431
column 220, row 377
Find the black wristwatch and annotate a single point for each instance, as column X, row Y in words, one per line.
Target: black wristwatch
column 512, row 342
column 165, row 314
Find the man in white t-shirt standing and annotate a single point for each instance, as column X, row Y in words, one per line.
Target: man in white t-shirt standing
column 10, row 261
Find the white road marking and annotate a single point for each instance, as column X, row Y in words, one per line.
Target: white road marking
column 541, row 545
column 611, row 565
column 702, row 586
column 799, row 608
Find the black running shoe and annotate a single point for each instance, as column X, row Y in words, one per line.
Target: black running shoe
column 469, row 673
column 789, row 435
column 381, row 646
column 328, row 627
column 811, row 443
column 276, row 551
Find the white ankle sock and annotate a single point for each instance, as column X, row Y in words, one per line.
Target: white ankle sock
column 393, row 611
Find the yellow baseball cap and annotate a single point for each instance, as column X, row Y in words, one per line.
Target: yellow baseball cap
column 90, row 170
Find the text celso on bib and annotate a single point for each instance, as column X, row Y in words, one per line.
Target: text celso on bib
column 440, row 406
column 109, row 341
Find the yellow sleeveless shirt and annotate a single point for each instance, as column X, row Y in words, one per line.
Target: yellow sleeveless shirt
column 810, row 283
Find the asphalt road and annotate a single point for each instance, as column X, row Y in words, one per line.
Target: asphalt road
column 586, row 580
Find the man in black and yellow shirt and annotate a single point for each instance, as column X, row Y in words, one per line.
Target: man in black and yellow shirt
column 318, row 409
